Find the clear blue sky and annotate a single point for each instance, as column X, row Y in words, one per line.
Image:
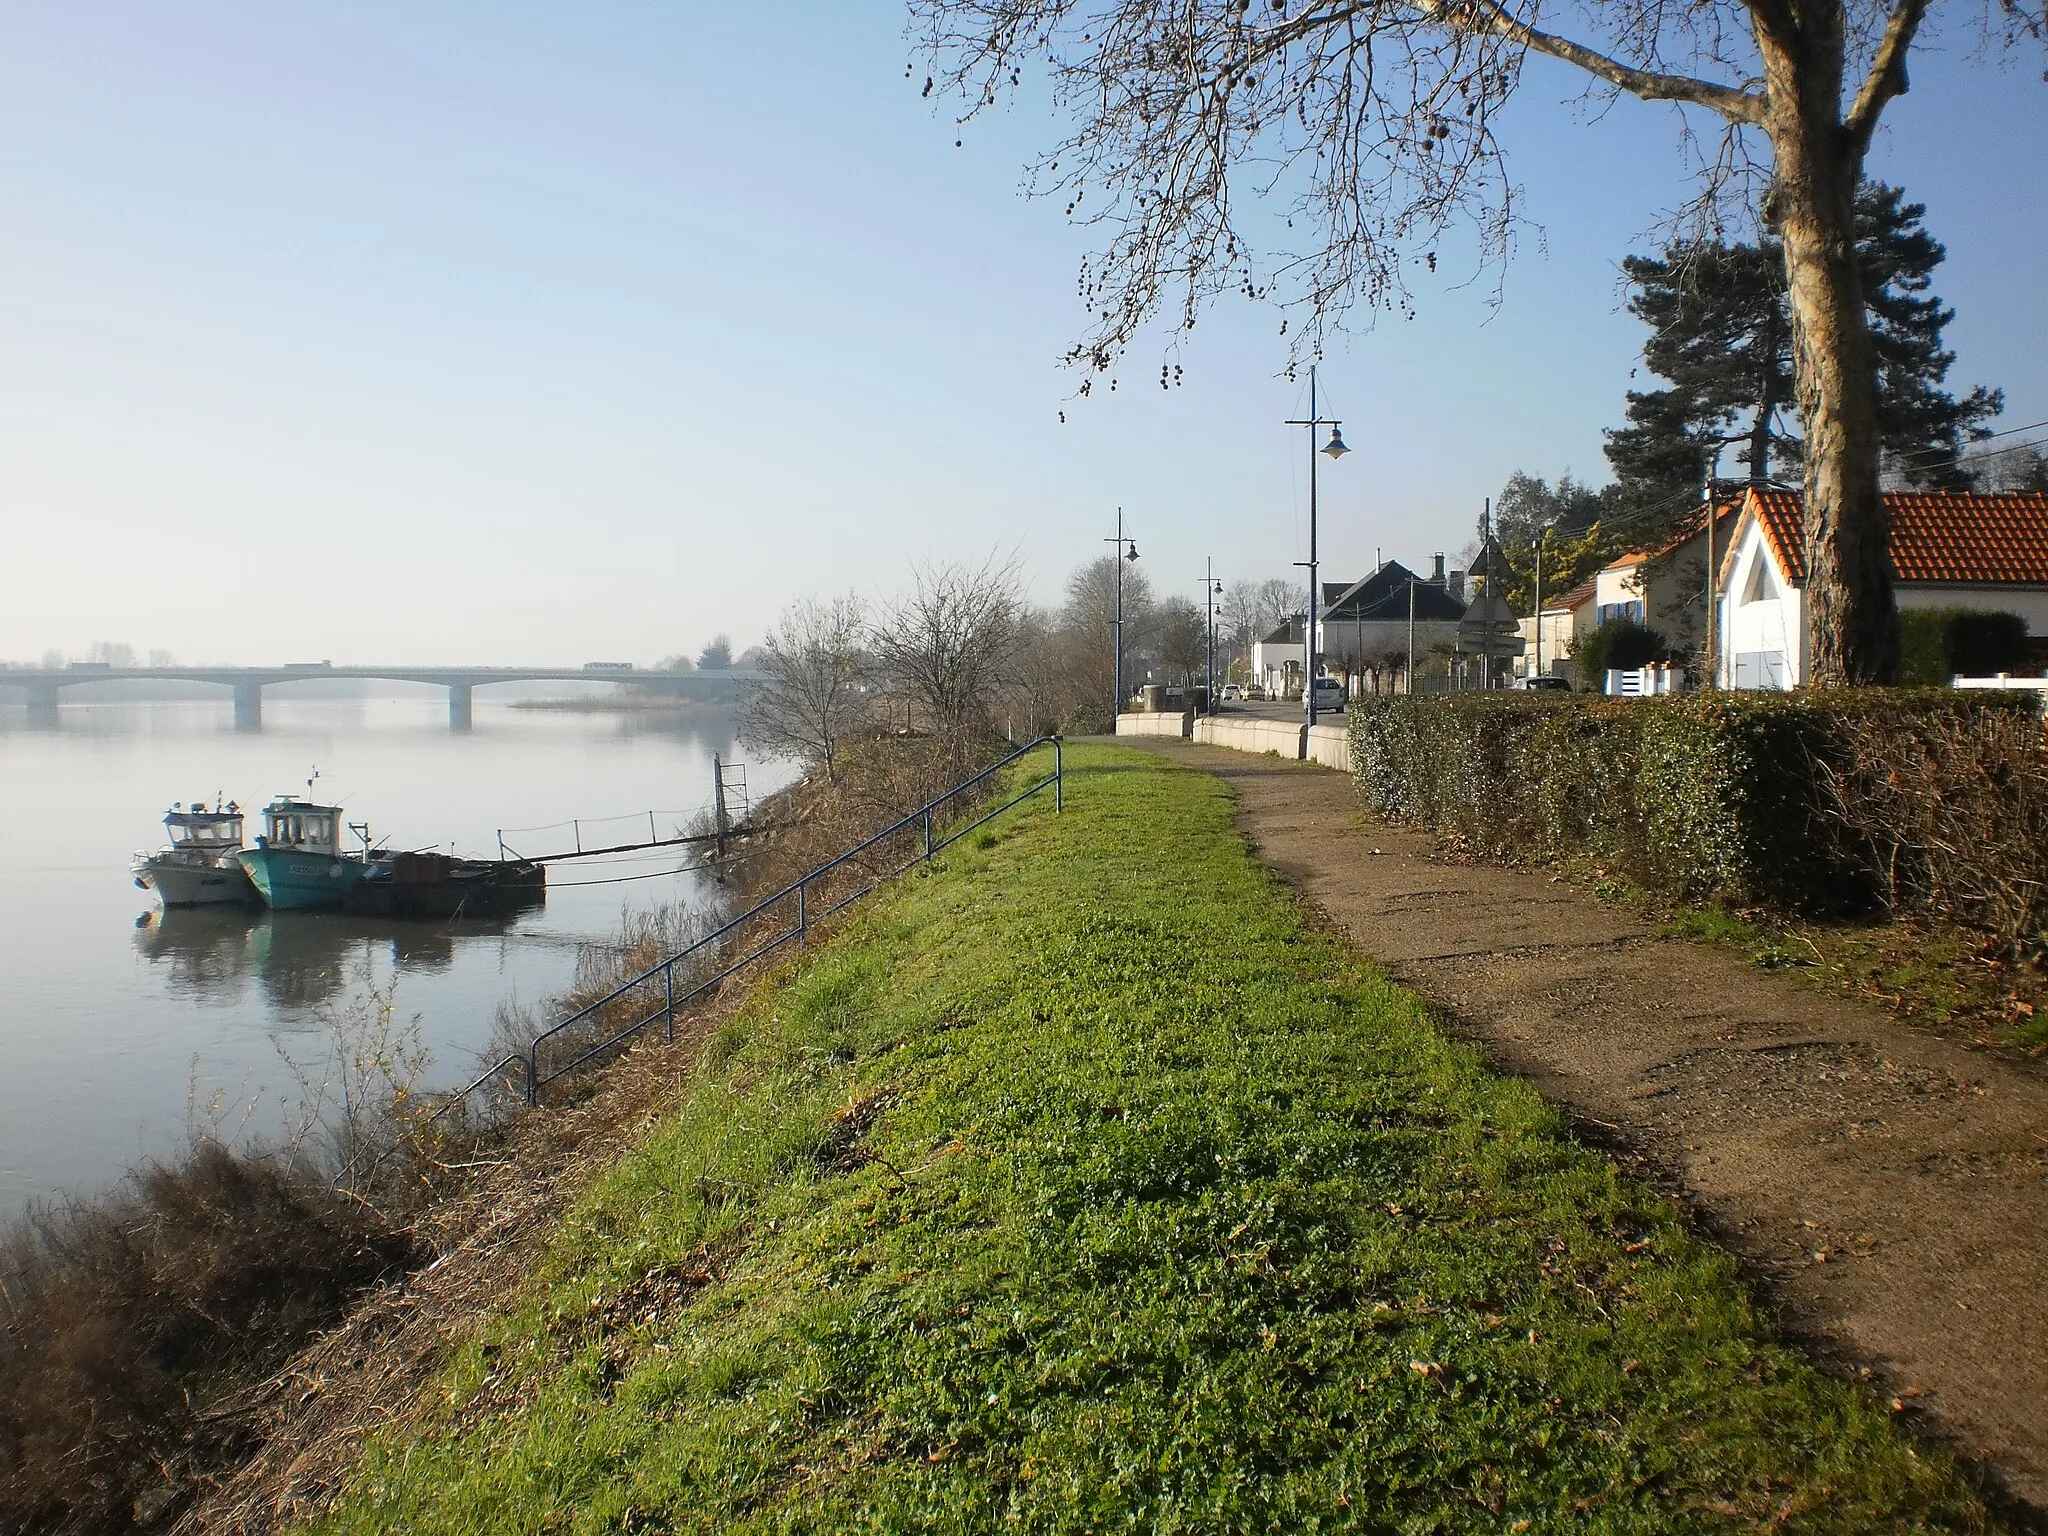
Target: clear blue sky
column 515, row 331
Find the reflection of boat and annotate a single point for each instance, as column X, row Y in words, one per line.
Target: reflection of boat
column 199, row 867
column 298, row 862
column 302, row 960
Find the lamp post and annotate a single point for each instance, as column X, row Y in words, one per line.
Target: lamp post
column 1211, row 587
column 1127, row 552
column 1336, row 450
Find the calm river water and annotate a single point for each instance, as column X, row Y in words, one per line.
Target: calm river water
column 117, row 1019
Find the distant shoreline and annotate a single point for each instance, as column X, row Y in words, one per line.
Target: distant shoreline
column 625, row 703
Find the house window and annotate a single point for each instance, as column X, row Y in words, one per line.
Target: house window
column 1632, row 610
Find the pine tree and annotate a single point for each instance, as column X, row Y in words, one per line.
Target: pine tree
column 1721, row 334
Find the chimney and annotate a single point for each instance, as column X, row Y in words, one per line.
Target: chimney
column 1436, row 575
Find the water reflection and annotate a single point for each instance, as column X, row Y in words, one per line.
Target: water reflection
column 302, row 960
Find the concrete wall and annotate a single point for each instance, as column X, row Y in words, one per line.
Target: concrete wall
column 1250, row 734
column 1162, row 723
column 1330, row 745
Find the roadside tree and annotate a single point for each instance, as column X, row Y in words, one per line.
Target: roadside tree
column 1372, row 124
column 812, row 697
column 716, row 655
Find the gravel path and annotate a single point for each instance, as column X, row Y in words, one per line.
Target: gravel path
column 1888, row 1189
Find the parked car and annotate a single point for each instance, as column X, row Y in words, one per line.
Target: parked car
column 1329, row 696
column 1232, row 691
column 1255, row 691
column 1543, row 684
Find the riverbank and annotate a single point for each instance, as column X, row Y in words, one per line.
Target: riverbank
column 1085, row 1183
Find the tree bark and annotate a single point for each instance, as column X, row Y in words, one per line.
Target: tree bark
column 1851, row 620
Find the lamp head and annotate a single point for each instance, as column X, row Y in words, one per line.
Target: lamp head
column 1132, row 553
column 1335, row 446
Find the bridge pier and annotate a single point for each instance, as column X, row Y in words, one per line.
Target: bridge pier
column 248, row 706
column 42, row 704
column 459, row 705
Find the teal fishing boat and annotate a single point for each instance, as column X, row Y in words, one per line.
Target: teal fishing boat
column 297, row 863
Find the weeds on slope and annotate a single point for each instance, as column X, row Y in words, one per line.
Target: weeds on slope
column 1082, row 1186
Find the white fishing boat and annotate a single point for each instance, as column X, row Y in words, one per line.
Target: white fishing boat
column 199, row 867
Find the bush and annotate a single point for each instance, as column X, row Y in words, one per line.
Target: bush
column 1621, row 643
column 1935, row 644
column 124, row 1319
column 1819, row 803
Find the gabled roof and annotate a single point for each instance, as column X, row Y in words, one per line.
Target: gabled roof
column 1688, row 530
column 1951, row 538
column 1286, row 632
column 1383, row 596
column 1576, row 598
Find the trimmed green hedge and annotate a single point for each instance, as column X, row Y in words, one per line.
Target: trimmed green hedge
column 1937, row 643
column 1735, row 797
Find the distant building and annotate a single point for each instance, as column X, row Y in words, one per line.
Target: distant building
column 1366, row 624
column 1277, row 656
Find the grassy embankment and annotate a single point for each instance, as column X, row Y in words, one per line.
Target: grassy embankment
column 1083, row 1185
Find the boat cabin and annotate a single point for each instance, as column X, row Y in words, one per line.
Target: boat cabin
column 302, row 826
column 205, row 831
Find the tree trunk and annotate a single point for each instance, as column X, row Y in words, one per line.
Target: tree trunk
column 1851, row 623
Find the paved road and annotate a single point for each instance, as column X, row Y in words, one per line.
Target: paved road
column 1887, row 1188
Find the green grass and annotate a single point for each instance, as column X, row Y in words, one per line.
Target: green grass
column 1081, row 1186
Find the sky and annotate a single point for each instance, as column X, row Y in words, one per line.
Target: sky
column 534, row 333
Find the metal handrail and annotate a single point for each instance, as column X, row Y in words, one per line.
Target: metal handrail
column 932, row 843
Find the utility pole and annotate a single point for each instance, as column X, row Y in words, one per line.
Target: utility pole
column 1336, row 450
column 1707, row 509
column 1541, row 540
column 1123, row 555
column 1411, row 632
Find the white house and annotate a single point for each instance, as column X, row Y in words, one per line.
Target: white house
column 1950, row 549
column 1277, row 658
column 1663, row 588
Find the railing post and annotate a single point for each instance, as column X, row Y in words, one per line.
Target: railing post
column 803, row 915
column 668, row 997
column 927, row 834
column 1059, row 779
column 532, row 1075
column 578, row 826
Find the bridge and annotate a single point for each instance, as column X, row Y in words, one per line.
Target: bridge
column 42, row 685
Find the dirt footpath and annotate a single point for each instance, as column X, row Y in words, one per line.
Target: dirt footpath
column 1889, row 1189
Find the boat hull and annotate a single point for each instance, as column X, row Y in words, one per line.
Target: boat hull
column 180, row 884
column 290, row 881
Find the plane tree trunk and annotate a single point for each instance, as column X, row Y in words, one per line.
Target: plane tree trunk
column 1852, row 624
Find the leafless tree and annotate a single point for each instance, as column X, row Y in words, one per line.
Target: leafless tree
column 1180, row 637
column 1089, row 620
column 1370, row 124
column 811, row 697
column 950, row 647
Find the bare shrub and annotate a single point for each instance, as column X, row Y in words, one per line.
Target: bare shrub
column 119, row 1315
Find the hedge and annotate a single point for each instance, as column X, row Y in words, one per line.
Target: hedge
column 1815, row 803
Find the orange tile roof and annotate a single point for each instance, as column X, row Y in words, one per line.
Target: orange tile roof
column 1939, row 537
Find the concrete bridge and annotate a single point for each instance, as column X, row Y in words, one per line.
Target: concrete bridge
column 43, row 685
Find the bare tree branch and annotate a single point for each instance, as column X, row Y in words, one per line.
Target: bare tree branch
column 1887, row 76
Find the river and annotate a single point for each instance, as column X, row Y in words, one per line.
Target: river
column 122, row 1027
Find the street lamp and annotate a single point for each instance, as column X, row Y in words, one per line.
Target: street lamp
column 1211, row 589
column 1127, row 551
column 1335, row 449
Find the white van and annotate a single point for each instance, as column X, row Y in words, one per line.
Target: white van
column 1329, row 696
